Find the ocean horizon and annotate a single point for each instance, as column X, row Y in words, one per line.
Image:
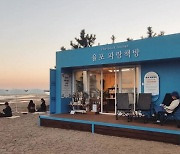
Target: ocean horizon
column 23, row 95
column 23, row 91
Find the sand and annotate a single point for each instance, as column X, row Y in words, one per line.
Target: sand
column 23, row 135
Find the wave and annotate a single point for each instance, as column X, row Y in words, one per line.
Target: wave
column 23, row 98
column 22, row 91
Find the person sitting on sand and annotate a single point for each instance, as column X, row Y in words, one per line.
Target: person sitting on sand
column 31, row 107
column 7, row 112
column 43, row 106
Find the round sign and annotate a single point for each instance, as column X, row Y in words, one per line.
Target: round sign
column 151, row 84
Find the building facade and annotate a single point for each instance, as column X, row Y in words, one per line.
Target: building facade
column 149, row 65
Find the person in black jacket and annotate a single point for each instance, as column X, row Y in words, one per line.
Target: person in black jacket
column 7, row 112
column 31, row 107
column 43, row 106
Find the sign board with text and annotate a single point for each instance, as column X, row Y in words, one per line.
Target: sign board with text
column 66, row 86
column 151, row 84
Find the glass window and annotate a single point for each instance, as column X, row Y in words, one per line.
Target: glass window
column 80, row 81
column 94, row 83
column 78, row 75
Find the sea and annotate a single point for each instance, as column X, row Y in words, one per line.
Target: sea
column 23, row 95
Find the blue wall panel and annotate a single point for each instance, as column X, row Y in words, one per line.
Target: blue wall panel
column 58, row 91
column 157, row 48
column 52, row 91
column 65, row 108
column 169, row 75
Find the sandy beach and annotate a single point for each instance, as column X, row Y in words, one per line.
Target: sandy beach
column 23, row 135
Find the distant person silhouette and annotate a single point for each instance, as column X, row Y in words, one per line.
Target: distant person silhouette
column 31, row 107
column 7, row 112
column 43, row 106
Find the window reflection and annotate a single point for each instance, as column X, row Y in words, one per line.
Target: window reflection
column 94, row 84
column 79, row 85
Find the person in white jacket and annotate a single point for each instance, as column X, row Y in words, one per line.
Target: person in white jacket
column 168, row 109
column 172, row 106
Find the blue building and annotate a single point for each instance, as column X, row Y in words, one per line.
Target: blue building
column 149, row 65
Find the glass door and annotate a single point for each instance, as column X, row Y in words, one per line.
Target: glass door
column 94, row 77
column 109, row 90
column 118, row 80
column 101, row 86
column 127, row 80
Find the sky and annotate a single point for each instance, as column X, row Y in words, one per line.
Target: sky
column 31, row 31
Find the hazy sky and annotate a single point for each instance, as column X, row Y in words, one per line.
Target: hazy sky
column 32, row 30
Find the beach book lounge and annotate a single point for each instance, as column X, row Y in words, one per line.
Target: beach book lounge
column 94, row 75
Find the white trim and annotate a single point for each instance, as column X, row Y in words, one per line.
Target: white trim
column 73, row 81
column 115, row 102
column 134, row 88
column 120, row 80
column 107, row 113
column 88, row 87
column 102, row 90
column 138, row 68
